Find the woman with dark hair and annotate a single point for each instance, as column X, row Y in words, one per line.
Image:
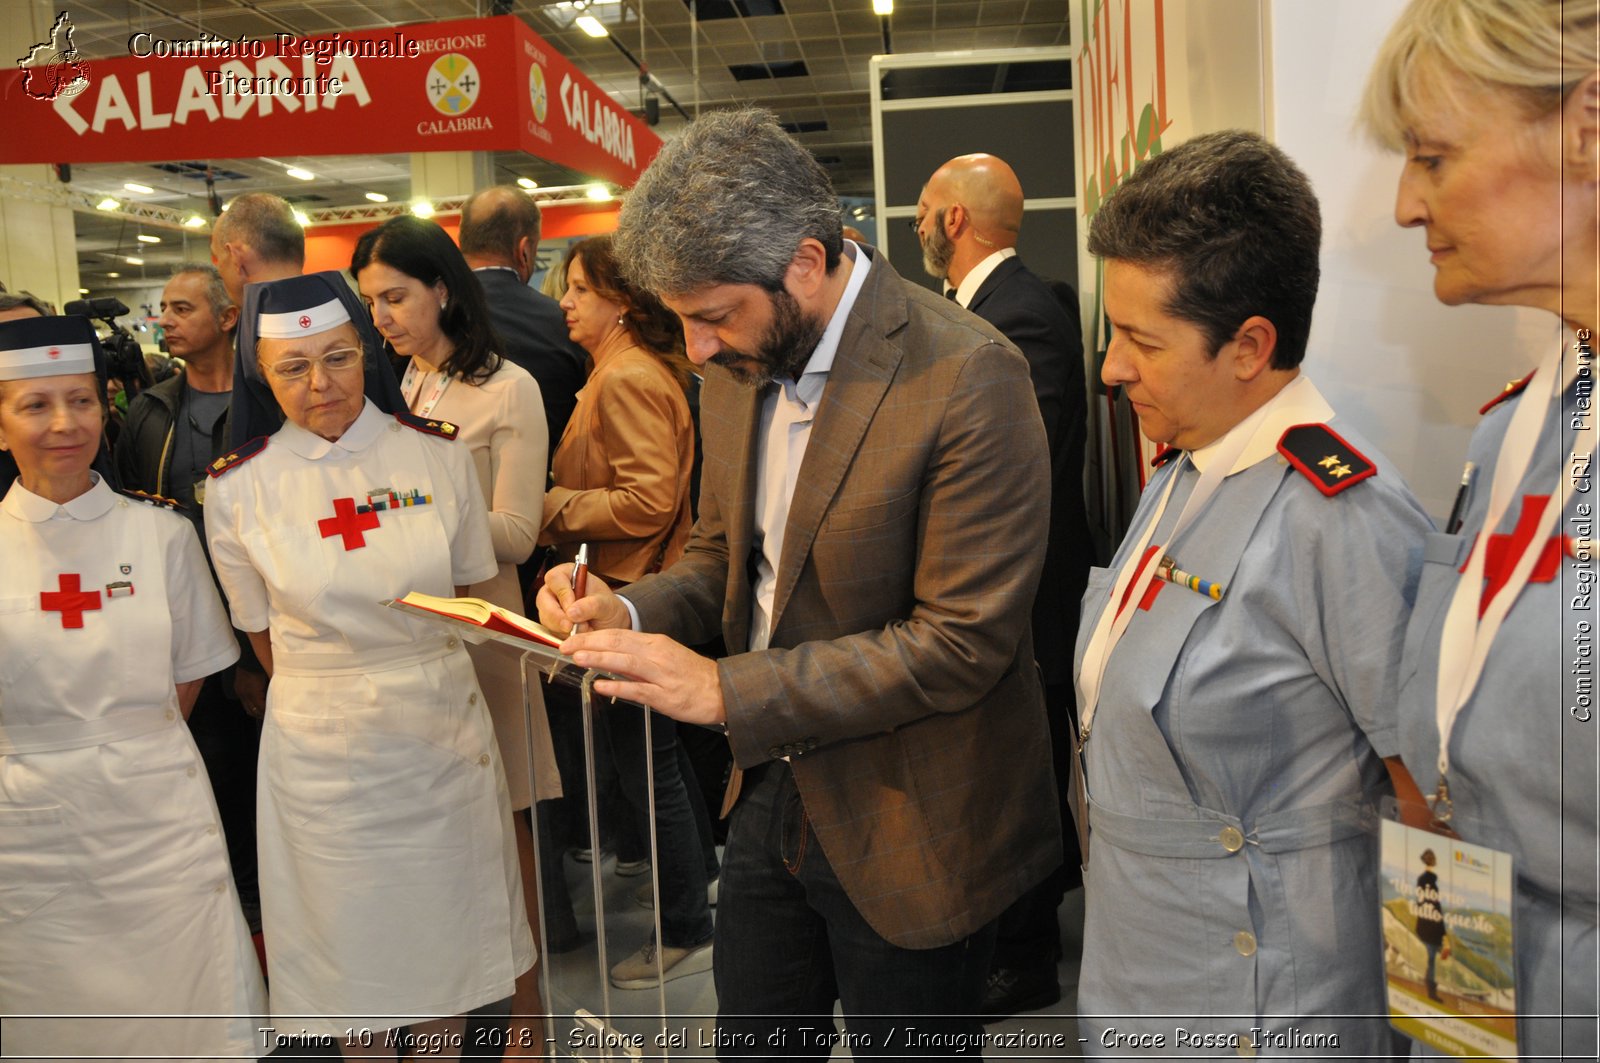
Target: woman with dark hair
column 431, row 311
column 621, row 476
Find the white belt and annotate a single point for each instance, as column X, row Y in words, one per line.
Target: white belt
column 80, row 734
column 366, row 661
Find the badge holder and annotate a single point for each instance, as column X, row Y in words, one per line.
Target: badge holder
column 1445, row 908
column 585, row 1016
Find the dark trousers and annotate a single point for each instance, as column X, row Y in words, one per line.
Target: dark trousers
column 229, row 740
column 789, row 943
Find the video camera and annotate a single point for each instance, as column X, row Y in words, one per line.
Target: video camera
column 124, row 358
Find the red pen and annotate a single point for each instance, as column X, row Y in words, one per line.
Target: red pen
column 580, row 576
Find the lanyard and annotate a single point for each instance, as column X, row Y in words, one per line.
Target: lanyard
column 411, row 388
column 1464, row 645
column 1132, row 579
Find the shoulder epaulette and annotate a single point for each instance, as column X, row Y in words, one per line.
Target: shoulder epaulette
column 1510, row 391
column 431, row 425
column 1164, row 455
column 1325, row 458
column 237, row 456
column 154, row 500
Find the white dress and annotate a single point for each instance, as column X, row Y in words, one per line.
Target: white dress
column 115, row 891
column 389, row 882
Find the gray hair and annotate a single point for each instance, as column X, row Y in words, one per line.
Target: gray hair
column 728, row 202
column 1235, row 224
column 265, row 223
column 1533, row 50
column 495, row 219
column 12, row 300
column 216, row 291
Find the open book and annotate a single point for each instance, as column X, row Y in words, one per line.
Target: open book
column 483, row 614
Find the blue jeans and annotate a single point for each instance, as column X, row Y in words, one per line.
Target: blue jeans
column 789, row 943
column 684, row 865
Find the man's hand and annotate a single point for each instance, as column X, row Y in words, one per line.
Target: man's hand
column 599, row 608
column 250, row 687
column 670, row 678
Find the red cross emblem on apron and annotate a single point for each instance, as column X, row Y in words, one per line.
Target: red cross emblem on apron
column 349, row 524
column 71, row 600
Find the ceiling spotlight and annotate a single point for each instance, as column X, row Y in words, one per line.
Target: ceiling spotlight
column 528, row 183
column 301, row 175
column 591, row 25
column 145, row 239
column 422, row 208
column 107, row 204
column 113, row 273
column 883, row 7
column 133, row 260
column 377, row 197
column 133, row 187
column 193, row 221
column 599, row 193
column 83, row 291
column 301, row 219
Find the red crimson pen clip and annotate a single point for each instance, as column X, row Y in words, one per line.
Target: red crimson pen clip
column 580, row 577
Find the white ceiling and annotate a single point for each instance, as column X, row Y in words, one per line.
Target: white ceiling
column 829, row 102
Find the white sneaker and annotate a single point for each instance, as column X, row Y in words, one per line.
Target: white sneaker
column 639, row 970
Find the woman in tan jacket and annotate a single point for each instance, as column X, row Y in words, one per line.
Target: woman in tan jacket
column 621, row 484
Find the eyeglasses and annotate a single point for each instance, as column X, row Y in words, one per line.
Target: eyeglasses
column 334, row 361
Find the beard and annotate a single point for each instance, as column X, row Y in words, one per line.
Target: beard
column 938, row 249
column 790, row 339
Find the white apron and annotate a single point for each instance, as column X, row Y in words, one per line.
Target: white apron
column 389, row 882
column 115, row 892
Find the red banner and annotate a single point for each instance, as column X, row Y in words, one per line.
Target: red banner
column 487, row 84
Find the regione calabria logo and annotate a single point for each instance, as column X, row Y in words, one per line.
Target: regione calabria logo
column 53, row 69
column 538, row 93
column 453, row 84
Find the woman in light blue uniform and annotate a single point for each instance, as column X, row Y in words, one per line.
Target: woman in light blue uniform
column 1496, row 104
column 1237, row 662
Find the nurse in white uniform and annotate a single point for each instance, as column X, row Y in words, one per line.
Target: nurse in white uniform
column 389, row 886
column 115, row 892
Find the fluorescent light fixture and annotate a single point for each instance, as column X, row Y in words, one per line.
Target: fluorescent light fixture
column 599, row 193
column 108, row 204
column 377, row 197
column 113, row 273
column 144, row 239
column 591, row 25
column 301, row 175
column 133, row 260
column 133, row 187
column 883, row 7
column 422, row 208
column 193, row 221
column 528, row 183
column 301, row 219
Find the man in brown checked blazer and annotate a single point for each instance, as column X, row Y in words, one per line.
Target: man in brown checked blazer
column 872, row 526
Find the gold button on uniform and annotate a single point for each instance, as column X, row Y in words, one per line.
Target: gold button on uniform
column 1231, row 839
column 190, row 771
column 170, row 714
column 1245, row 942
column 484, row 760
column 472, row 699
column 450, row 643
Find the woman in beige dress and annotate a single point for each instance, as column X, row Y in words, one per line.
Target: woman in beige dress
column 431, row 311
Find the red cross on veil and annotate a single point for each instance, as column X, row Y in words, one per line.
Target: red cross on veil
column 348, row 523
column 71, row 600
column 1503, row 551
